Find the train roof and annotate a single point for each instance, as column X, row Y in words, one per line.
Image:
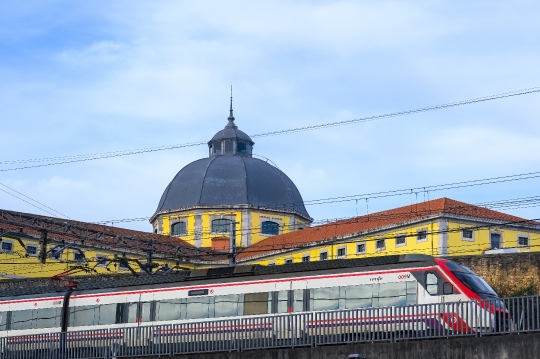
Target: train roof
column 27, row 287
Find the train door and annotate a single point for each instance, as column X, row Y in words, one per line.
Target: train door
column 140, row 310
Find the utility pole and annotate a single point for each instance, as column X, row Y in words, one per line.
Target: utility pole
column 232, row 244
column 43, row 254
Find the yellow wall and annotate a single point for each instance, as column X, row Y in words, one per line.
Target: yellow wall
column 439, row 232
column 18, row 264
column 253, row 227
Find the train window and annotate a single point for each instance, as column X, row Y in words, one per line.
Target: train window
column 105, row 314
column 355, row 296
column 412, row 289
column 282, row 301
column 82, row 316
column 22, row 319
column 199, row 307
column 256, row 303
column 4, row 320
column 389, row 301
column 47, row 318
column 132, row 312
column 170, row 310
column 447, row 288
column 227, row 305
column 432, row 283
column 146, row 311
column 298, row 300
column 392, row 289
column 324, row 299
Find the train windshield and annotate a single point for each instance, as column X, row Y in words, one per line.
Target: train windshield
column 471, row 280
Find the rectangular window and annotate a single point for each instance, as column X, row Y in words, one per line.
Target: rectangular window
column 101, row 260
column 173, row 309
column 271, row 263
column 401, row 240
column 199, row 307
column 360, row 248
column 228, row 146
column 217, row 147
column 256, row 303
column 31, row 250
column 227, row 306
column 324, row 298
column 421, row 235
column 241, row 147
column 523, row 241
column 341, row 252
column 306, row 258
column 380, row 244
column 78, row 256
column 323, row 256
column 288, row 261
column 467, row 234
column 7, row 246
column 55, row 253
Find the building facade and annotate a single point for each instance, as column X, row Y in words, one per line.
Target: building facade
column 229, row 189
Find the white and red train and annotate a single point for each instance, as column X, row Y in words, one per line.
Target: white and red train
column 246, row 291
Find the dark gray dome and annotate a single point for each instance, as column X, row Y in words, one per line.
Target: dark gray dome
column 231, row 132
column 232, row 180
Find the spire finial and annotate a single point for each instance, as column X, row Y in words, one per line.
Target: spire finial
column 231, row 117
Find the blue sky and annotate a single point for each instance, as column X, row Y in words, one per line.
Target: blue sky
column 86, row 77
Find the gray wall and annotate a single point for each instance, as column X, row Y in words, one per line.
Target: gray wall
column 522, row 346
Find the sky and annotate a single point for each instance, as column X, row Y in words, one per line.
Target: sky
column 80, row 77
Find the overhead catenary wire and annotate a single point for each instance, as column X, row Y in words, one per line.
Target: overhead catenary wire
column 58, row 160
column 33, row 200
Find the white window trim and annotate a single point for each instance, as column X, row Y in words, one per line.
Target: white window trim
column 376, row 247
column 365, row 248
column 344, row 250
column 306, row 256
column 290, row 260
column 7, row 241
column 418, row 232
column 180, row 220
column 271, row 263
column 401, row 235
column 35, row 246
column 321, row 252
column 524, row 236
column 467, row 239
column 101, row 256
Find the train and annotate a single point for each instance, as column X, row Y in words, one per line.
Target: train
column 198, row 296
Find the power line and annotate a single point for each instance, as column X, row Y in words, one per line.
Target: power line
column 11, row 189
column 102, row 155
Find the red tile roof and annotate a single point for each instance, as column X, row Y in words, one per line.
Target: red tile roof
column 373, row 221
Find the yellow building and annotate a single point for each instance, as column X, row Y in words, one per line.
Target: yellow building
column 229, row 188
column 441, row 227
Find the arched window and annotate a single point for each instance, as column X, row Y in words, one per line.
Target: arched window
column 269, row 227
column 221, row 226
column 178, row 229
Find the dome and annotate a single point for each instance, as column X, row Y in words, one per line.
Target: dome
column 232, row 180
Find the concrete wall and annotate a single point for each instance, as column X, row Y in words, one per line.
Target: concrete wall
column 522, row 346
column 509, row 274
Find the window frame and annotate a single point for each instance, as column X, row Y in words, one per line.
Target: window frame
column 421, row 230
column 220, row 219
column 344, row 255
column 27, row 245
column 528, row 245
column 8, row 241
column 463, row 238
column 377, row 241
column 177, row 223
column 501, row 243
column 325, row 253
column 365, row 247
column 304, row 257
column 288, row 261
column 78, row 251
column 404, row 235
column 266, row 224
